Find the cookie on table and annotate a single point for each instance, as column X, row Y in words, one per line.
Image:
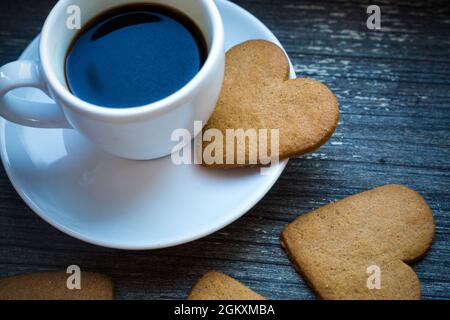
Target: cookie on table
column 258, row 94
column 53, row 286
column 360, row 247
column 218, row 286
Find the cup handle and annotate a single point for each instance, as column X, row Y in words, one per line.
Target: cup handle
column 21, row 74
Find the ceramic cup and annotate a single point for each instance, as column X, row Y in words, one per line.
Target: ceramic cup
column 139, row 133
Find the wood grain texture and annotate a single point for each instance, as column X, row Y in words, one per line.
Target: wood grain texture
column 394, row 90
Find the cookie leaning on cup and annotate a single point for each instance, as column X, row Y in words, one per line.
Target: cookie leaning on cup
column 257, row 94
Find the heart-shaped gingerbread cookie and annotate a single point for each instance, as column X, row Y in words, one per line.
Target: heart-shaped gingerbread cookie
column 218, row 286
column 54, row 286
column 258, row 95
column 358, row 247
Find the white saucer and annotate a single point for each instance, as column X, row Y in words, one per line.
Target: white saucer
column 126, row 204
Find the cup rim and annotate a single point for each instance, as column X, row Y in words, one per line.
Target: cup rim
column 132, row 113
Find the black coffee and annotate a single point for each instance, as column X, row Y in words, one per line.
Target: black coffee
column 134, row 55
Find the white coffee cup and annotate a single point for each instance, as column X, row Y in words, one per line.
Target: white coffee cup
column 139, row 133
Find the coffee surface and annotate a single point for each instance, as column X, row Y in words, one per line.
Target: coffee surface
column 134, row 55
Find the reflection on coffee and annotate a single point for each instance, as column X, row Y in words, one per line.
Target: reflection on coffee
column 134, row 55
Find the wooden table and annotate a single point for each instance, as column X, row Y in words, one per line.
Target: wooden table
column 394, row 91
